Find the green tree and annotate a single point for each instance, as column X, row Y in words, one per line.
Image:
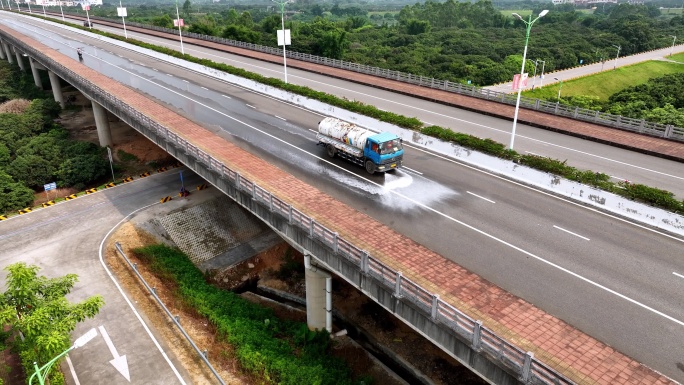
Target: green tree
column 13, row 195
column 333, row 44
column 32, row 170
column 36, row 306
column 241, row 33
column 164, row 21
column 80, row 170
column 186, row 7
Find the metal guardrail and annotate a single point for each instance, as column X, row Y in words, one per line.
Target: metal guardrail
column 529, row 369
column 175, row 319
column 641, row 126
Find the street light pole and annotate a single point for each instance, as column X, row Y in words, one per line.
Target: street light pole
column 559, row 90
column 674, row 38
column 282, row 24
column 616, row 56
column 528, row 24
column 43, row 371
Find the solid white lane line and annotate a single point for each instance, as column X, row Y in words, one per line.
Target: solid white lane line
column 427, row 123
column 281, row 118
column 570, row 232
column 617, row 177
column 678, row 275
column 532, row 153
column 313, row 130
column 128, row 301
column 481, row 197
column 412, row 170
column 250, row 106
column 72, row 370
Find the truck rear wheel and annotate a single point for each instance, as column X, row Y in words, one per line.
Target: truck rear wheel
column 370, row 167
column 331, row 150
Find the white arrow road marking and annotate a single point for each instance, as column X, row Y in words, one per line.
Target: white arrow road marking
column 119, row 362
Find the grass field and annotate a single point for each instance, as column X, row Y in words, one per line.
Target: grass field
column 607, row 83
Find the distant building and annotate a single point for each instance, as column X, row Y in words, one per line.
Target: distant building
column 587, row 2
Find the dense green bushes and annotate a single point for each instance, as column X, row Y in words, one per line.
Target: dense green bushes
column 280, row 352
column 34, row 150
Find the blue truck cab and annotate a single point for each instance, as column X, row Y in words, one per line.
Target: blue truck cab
column 384, row 151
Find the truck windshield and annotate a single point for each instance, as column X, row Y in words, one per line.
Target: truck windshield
column 390, row 147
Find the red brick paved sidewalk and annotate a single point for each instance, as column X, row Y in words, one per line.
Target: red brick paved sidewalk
column 566, row 349
column 624, row 139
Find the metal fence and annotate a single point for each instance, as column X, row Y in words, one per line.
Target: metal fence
column 624, row 123
column 480, row 338
column 175, row 319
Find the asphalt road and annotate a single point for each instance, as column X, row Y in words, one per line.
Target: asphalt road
column 619, row 163
column 65, row 239
column 615, row 281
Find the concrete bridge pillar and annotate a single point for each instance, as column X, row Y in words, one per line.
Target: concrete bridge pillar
column 56, row 88
column 2, row 49
column 318, row 296
column 8, row 52
column 35, row 66
column 20, row 59
column 104, row 133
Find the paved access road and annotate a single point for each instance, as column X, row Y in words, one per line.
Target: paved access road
column 609, row 278
column 65, row 239
column 589, row 69
column 619, row 163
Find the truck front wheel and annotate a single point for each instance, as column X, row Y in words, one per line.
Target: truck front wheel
column 370, row 167
column 331, row 150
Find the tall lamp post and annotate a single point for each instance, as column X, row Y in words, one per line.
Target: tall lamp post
column 559, row 89
column 616, row 55
column 43, row 371
column 674, row 38
column 285, row 36
column 528, row 24
column 541, row 77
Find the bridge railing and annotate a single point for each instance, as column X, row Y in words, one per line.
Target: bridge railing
column 529, row 369
column 624, row 123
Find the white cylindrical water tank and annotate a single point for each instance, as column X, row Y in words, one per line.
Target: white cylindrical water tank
column 348, row 133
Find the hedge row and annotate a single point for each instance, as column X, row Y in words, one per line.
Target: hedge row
column 649, row 195
column 277, row 351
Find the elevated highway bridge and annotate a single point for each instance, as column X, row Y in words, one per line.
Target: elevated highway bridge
column 463, row 270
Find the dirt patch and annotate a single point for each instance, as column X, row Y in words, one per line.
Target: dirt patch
column 14, row 106
column 78, row 119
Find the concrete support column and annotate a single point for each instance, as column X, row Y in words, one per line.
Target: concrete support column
column 8, row 52
column 56, row 88
column 2, row 49
column 104, row 133
column 20, row 59
column 35, row 66
column 318, row 297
